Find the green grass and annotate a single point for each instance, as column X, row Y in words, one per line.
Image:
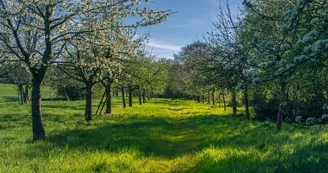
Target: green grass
column 160, row 136
column 8, row 93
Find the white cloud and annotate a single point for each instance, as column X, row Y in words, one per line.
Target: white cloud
column 163, row 46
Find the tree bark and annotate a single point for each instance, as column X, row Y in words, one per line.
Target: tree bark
column 203, row 99
column 88, row 102
column 23, row 93
column 108, row 98
column 140, row 97
column 130, row 95
column 144, row 95
column 282, row 103
column 26, row 93
column 37, row 123
column 20, row 94
column 224, row 102
column 234, row 102
column 208, row 97
column 123, row 97
column 219, row 99
column 246, row 102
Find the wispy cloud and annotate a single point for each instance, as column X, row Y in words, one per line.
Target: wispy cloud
column 163, row 46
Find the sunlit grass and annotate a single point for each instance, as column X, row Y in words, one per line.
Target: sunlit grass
column 159, row 136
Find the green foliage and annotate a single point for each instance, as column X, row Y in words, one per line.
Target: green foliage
column 146, row 71
column 159, row 136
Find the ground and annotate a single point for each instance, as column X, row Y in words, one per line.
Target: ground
column 162, row 135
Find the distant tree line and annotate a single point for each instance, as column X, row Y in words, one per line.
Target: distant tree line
column 271, row 55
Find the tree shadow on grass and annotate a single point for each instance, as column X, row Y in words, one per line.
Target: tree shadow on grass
column 169, row 138
column 160, row 101
column 8, row 99
column 67, row 105
column 158, row 136
column 151, row 136
column 310, row 158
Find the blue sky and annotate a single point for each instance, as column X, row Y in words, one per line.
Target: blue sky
column 191, row 20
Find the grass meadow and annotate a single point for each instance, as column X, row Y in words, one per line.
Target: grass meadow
column 162, row 135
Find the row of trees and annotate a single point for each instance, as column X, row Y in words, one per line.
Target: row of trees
column 89, row 41
column 272, row 52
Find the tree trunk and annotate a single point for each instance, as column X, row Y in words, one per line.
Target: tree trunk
column 151, row 95
column 198, row 99
column 140, row 97
column 148, row 96
column 88, row 102
column 224, row 102
column 20, row 94
column 26, row 93
column 234, row 102
column 130, row 95
column 219, row 99
column 67, row 96
column 246, row 102
column 37, row 123
column 213, row 97
column 282, row 103
column 203, row 99
column 144, row 95
column 108, row 98
column 208, row 97
column 123, row 97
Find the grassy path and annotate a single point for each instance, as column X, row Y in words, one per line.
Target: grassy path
column 160, row 136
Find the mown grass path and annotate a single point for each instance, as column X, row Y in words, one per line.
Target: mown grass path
column 159, row 136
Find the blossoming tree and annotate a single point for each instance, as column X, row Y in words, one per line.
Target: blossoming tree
column 36, row 32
